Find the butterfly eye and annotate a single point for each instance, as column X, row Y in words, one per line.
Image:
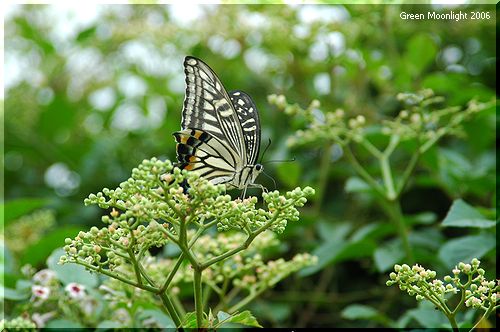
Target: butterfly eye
column 259, row 167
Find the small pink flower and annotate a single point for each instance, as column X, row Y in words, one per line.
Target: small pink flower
column 44, row 276
column 40, row 292
column 75, row 291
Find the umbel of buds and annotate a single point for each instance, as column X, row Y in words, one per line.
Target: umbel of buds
column 161, row 204
column 467, row 280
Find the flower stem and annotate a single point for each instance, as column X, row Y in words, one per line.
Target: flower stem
column 393, row 210
column 198, row 300
column 170, row 308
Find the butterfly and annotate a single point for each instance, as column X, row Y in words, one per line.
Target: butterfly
column 220, row 131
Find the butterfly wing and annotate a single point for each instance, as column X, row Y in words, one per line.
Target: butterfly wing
column 199, row 151
column 249, row 122
column 208, row 107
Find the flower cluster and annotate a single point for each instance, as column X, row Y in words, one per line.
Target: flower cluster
column 477, row 292
column 421, row 119
column 28, row 229
column 151, row 207
column 17, row 324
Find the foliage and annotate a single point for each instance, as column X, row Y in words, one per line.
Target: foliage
column 90, row 93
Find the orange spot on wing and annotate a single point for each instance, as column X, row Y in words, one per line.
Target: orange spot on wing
column 189, row 167
column 197, row 134
column 184, row 139
column 192, row 159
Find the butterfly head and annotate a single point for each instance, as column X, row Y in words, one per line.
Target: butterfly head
column 256, row 170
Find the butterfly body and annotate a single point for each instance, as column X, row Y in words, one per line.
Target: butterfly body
column 220, row 131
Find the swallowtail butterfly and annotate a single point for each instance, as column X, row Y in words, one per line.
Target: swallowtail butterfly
column 220, row 131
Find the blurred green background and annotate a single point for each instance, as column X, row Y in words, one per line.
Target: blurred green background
column 91, row 91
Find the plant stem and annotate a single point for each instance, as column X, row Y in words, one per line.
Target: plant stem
column 323, row 177
column 387, row 176
column 363, row 173
column 170, row 308
column 407, row 172
column 198, row 301
column 393, row 210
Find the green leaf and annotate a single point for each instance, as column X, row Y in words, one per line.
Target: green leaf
column 221, row 316
column 355, row 185
column 38, row 252
column 465, row 248
column 189, row 320
column 70, row 272
column 16, row 208
column 65, row 324
column 420, row 53
column 244, row 318
column 160, row 317
column 14, row 294
column 387, row 255
column 359, row 311
column 289, row 173
column 7, row 263
column 427, row 316
column 462, row 214
column 108, row 325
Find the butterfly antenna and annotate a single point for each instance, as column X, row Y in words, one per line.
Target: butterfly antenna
column 274, row 182
column 281, row 161
column 265, row 150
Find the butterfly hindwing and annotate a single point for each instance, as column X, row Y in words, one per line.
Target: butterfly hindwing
column 249, row 122
column 199, row 151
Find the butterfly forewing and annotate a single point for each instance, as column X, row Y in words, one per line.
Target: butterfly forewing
column 220, row 132
column 208, row 107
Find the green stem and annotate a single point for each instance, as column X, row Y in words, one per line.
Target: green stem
column 170, row 308
column 172, row 273
column 363, row 173
column 393, row 210
column 323, row 177
column 407, row 172
column 253, row 294
column 178, row 305
column 198, row 300
column 386, row 167
column 117, row 276
column 387, row 176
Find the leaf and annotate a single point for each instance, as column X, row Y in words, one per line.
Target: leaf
column 14, row 209
column 14, row 294
column 387, row 255
column 38, row 252
column 289, row 173
column 420, row 53
column 359, row 311
column 221, row 315
column 355, row 184
column 465, row 248
column 160, row 317
column 427, row 316
column 244, row 318
column 70, row 272
column 108, row 325
column 7, row 263
column 65, row 324
column 189, row 320
column 462, row 214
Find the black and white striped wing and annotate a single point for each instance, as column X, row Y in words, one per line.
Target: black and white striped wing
column 199, row 151
column 249, row 122
column 208, row 107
